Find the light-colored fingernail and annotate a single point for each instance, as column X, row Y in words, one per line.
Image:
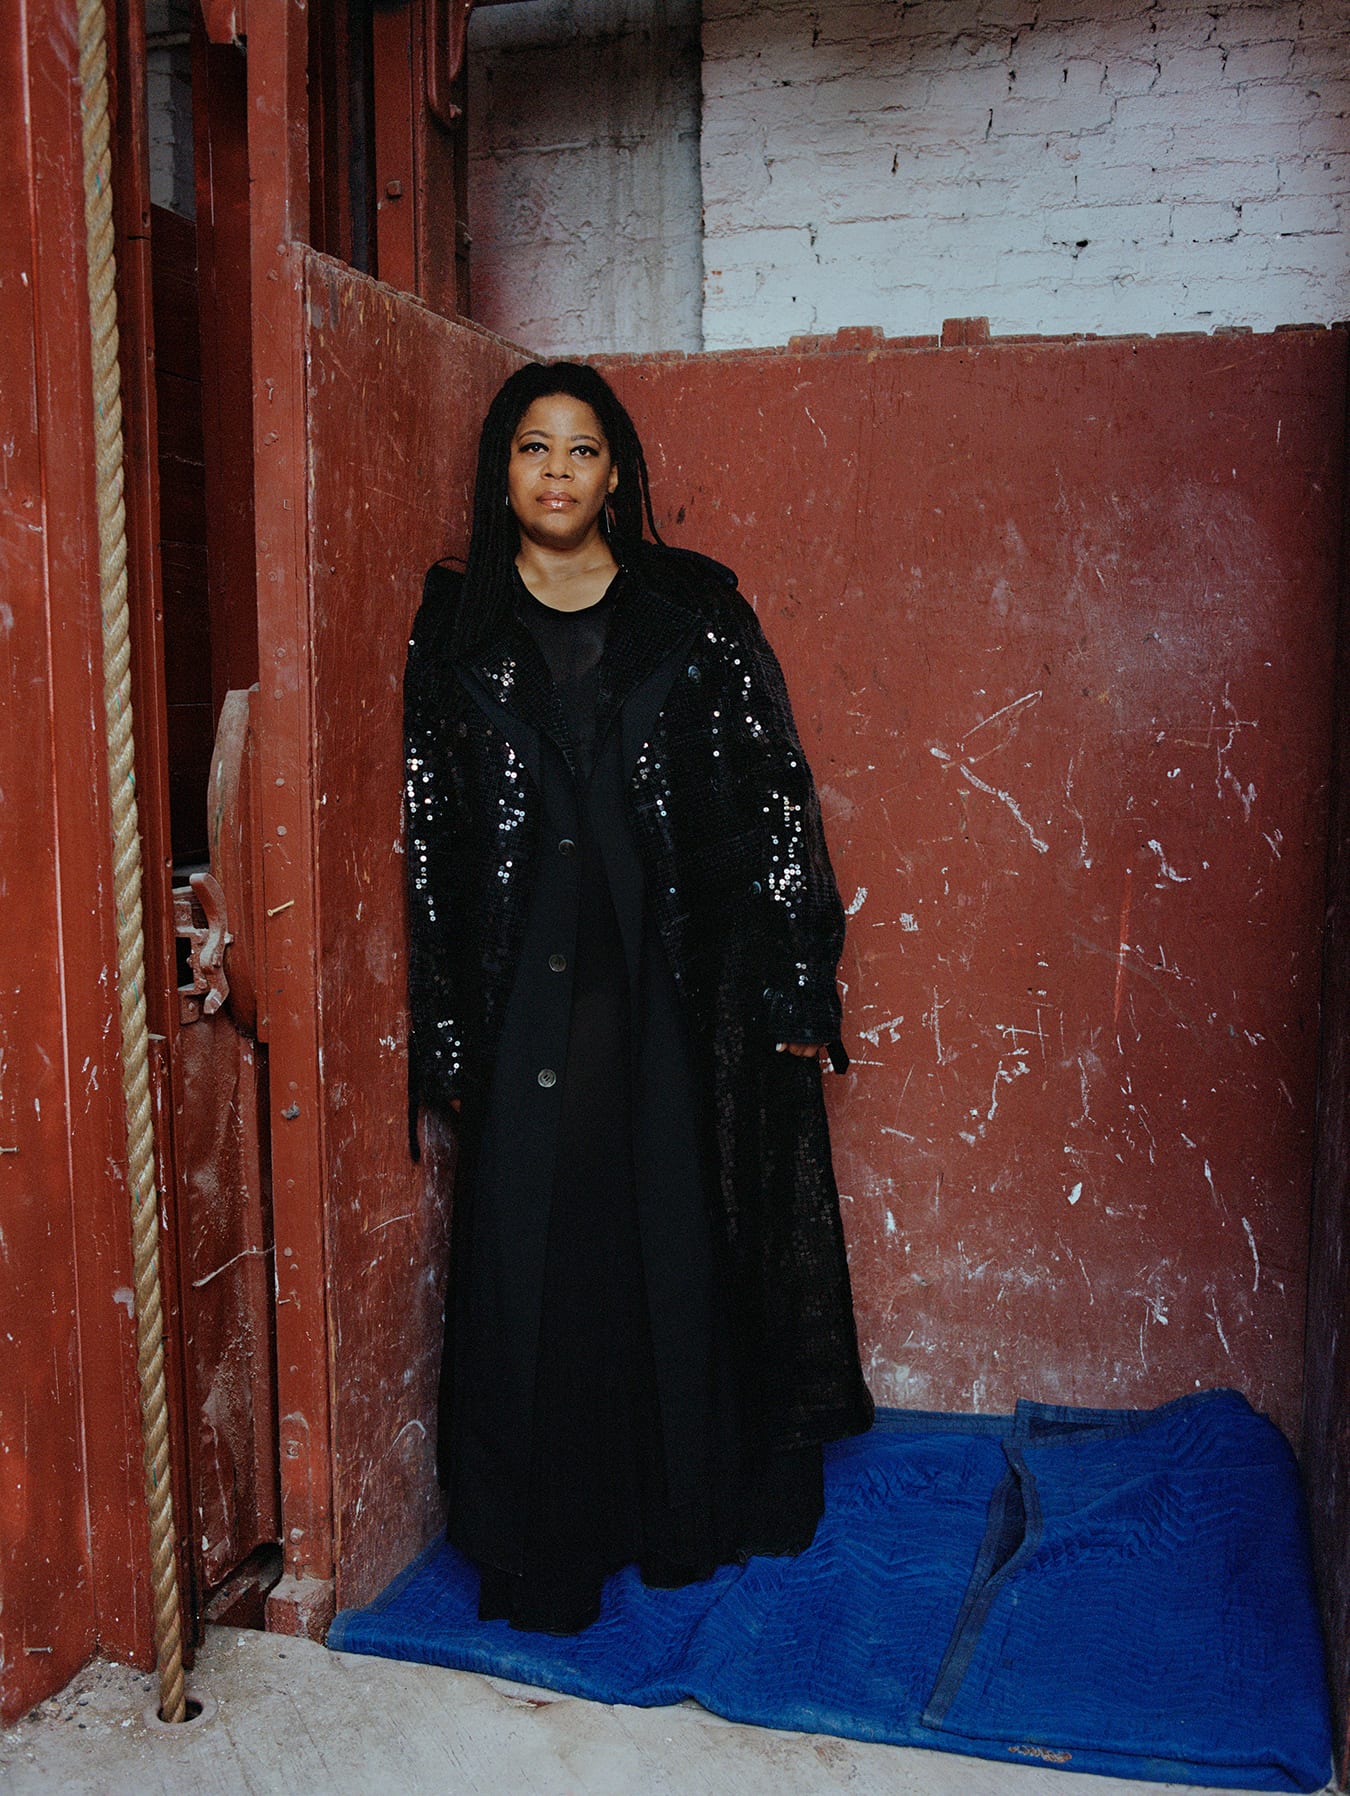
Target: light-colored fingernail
column 779, row 1049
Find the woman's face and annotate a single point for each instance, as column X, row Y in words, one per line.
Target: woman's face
column 560, row 472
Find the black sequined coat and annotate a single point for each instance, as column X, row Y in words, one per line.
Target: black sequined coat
column 735, row 872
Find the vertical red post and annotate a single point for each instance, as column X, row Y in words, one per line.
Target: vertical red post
column 288, row 1001
column 74, row 1559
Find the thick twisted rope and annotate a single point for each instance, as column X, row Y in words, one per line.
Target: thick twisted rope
column 112, row 558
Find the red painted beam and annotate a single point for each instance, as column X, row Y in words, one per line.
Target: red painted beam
column 289, row 997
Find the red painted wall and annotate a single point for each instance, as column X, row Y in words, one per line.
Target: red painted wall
column 73, row 1552
column 1057, row 619
column 1326, row 1409
column 395, row 398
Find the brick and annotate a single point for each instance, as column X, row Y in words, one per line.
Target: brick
column 1294, row 214
column 1171, row 110
column 1113, row 224
column 1095, row 184
column 1325, row 256
column 1008, row 15
column 1197, row 172
column 748, row 35
column 1064, row 79
column 1313, row 57
column 768, row 248
column 1191, row 72
column 1263, row 295
column 1092, row 13
column 1260, row 61
column 1327, row 135
column 1076, row 114
column 806, row 189
column 1131, row 72
column 1324, row 18
column 1316, row 174
column 725, row 292
column 966, row 91
column 301, row 1607
column 1279, row 103
column 868, row 24
column 1202, row 221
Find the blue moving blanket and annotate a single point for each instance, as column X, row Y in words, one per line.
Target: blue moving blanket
column 1120, row 1591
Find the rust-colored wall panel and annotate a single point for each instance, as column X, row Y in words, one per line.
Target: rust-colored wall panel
column 1058, row 622
column 49, row 1624
column 1326, row 1409
column 228, row 1301
column 73, row 1553
column 395, row 399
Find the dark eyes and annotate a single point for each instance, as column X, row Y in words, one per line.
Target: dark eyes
column 587, row 449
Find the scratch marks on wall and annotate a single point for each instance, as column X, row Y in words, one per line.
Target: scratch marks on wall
column 1005, row 712
column 1004, row 798
column 1080, row 975
column 1123, row 947
column 1223, row 734
column 1212, row 1311
column 1168, row 872
column 1256, row 1258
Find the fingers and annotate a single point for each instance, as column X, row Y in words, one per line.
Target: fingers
column 804, row 1050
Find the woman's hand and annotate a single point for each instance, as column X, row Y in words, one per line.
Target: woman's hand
column 804, row 1050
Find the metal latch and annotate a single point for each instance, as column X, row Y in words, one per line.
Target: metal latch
column 199, row 920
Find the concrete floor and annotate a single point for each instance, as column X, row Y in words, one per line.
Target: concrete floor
column 292, row 1719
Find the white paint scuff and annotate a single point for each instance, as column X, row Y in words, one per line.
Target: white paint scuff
column 1168, row 872
column 1256, row 1258
column 1004, row 798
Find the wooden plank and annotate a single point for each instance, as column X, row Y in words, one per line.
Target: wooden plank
column 73, row 1559
column 1058, row 624
column 289, row 995
column 1326, row 1407
column 396, row 395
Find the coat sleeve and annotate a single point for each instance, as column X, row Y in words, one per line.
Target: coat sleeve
column 431, row 806
column 803, row 918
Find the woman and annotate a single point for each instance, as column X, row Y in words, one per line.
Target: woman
column 624, row 933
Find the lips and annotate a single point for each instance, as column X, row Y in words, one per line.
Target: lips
column 555, row 501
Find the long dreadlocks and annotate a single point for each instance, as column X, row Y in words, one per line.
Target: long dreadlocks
column 495, row 541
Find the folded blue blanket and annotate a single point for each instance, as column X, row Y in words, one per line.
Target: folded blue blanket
column 1122, row 1591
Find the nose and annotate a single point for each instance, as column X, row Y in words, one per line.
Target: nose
column 556, row 464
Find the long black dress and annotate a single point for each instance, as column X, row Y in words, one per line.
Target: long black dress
column 623, row 1466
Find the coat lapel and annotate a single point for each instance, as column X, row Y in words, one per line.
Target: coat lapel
column 516, row 676
column 645, row 630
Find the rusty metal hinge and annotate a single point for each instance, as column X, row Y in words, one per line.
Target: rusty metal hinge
column 199, row 919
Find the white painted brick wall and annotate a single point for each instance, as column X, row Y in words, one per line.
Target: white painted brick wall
column 584, row 202
column 1054, row 165
column 169, row 104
